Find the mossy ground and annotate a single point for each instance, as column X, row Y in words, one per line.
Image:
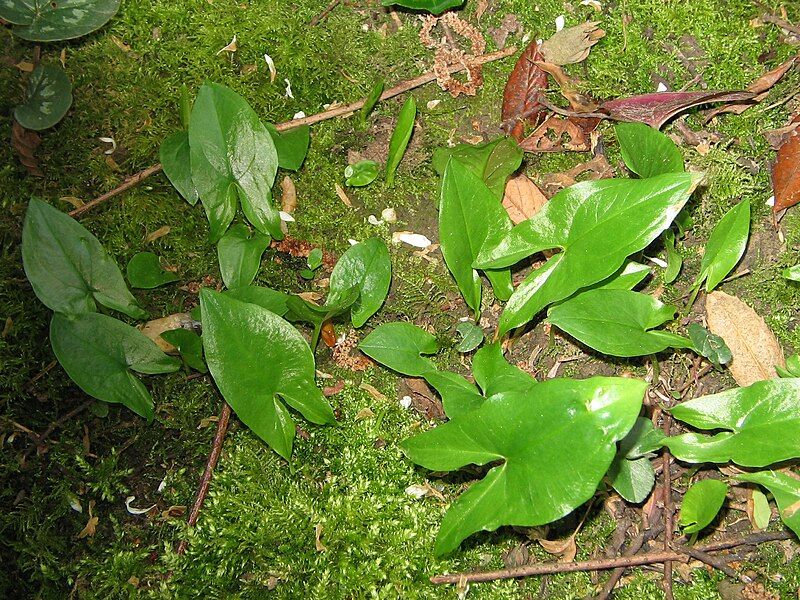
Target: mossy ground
column 257, row 530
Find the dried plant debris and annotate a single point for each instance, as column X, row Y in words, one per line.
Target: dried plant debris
column 448, row 54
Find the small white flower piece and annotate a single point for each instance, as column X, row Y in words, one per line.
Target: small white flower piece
column 373, row 220
column 593, row 3
column 109, row 140
column 418, row 491
column 288, row 89
column 432, row 104
column 661, row 87
column 657, row 261
column 352, row 242
column 286, row 217
column 771, row 201
column 162, row 486
column 412, row 239
column 389, row 215
column 405, row 402
column 231, row 47
column 559, row 22
column 299, row 115
column 273, row 72
column 136, row 511
column 75, row 504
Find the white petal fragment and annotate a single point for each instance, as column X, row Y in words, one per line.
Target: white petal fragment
column 136, row 511
column 412, row 239
column 273, row 72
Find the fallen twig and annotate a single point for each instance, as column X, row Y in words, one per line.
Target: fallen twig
column 668, row 508
column 328, row 9
column 782, row 23
column 636, row 545
column 41, row 437
column 713, row 561
column 323, row 116
column 205, row 481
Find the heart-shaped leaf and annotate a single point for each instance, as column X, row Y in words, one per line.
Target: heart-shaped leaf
column 629, row 275
column 47, row 99
column 99, row 354
column 291, row 145
column 68, row 268
column 470, row 216
column 701, row 503
column 631, row 473
column 48, row 21
column 361, row 173
column 531, row 434
column 400, row 347
column 190, row 347
column 459, row 396
column 239, row 252
column 597, row 224
column 495, row 375
column 493, row 162
column 761, row 425
column 400, row 137
column 232, row 156
column 259, row 361
column 145, row 272
column 785, row 488
column 176, row 161
column 725, row 246
column 273, row 300
column 366, row 267
column 646, row 151
column 617, row 322
column 471, row 336
column 709, row 345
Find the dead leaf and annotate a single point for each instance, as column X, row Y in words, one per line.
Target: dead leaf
column 565, row 549
column 173, row 512
column 231, row 47
column 160, row 232
column 509, row 25
column 364, row 413
column 521, row 94
column 522, row 198
column 597, row 168
column 580, row 103
column 288, row 195
column 572, row 45
column 658, row 108
column 342, row 196
column 328, row 334
column 25, row 66
column 755, row 349
column 424, row 401
column 786, row 172
column 120, row 44
column 153, row 329
column 334, row 389
column 318, row 538
column 557, row 134
column 25, row 142
column 372, row 391
column 76, row 202
column 91, row 525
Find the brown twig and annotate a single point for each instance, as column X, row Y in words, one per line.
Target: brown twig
column 668, row 508
column 782, row 23
column 636, row 545
column 613, row 563
column 40, row 438
column 323, row 116
column 712, row 561
column 208, row 473
column 324, row 14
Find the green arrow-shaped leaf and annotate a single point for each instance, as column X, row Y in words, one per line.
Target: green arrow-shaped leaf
column 533, row 434
column 400, row 347
column 176, row 161
column 145, row 272
column 367, row 267
column 646, row 151
column 259, row 361
column 725, row 246
column 701, row 503
column 785, row 488
column 239, row 252
column 761, row 423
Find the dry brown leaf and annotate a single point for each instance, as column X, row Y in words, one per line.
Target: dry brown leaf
column 153, row 329
column 91, row 525
column 372, row 391
column 342, row 195
column 578, row 102
column 557, row 134
column 158, row 233
column 25, row 142
column 786, row 172
column 288, row 195
column 318, row 538
column 521, row 95
column 565, row 549
column 25, row 66
column 755, row 349
column 364, row 413
column 522, row 198
column 572, row 44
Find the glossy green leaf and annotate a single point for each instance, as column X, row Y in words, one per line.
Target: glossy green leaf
column 366, row 267
column 99, row 354
column 761, row 425
column 400, row 137
column 494, row 374
column 792, row 368
column 629, row 275
column 371, row 101
column 47, row 99
column 711, row 346
column 617, row 322
column 264, row 297
column 642, row 439
column 232, row 157
column 144, row 271
column 631, row 473
column 190, row 347
column 291, row 145
column 239, row 252
column 314, row 260
column 674, row 259
column 785, row 489
column 597, row 224
column 701, row 503
column 470, row 217
column 400, row 347
column 494, row 161
column 49, row 21
column 762, row 513
column 432, row 6
column 68, row 268
column 725, row 246
column 459, row 396
column 792, row 273
column 531, row 434
column 176, row 162
column 471, row 336
column 646, row 151
column 259, row 361
column 361, row 173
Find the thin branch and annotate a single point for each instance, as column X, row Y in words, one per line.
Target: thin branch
column 205, row 481
column 669, row 514
column 324, row 14
column 331, row 113
column 713, row 561
column 40, row 438
column 559, row 567
column 783, row 24
column 635, row 546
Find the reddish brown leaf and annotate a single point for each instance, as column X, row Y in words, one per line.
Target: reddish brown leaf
column 328, row 334
column 786, row 173
column 521, row 94
column 558, row 134
column 658, row 108
column 522, row 198
column 25, row 142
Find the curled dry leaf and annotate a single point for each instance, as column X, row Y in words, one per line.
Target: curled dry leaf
column 572, row 45
column 521, row 94
column 424, row 401
column 288, row 195
column 342, row 196
column 412, row 239
column 91, row 526
column 786, row 171
column 318, row 538
column 25, row 142
column 578, row 102
column 447, row 53
column 755, row 349
column 558, row 134
column 153, row 329
column 597, row 168
column 522, row 198
column 565, row 549
column 158, row 233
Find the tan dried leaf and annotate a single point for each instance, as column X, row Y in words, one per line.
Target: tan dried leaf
column 153, row 329
column 158, row 233
column 373, row 391
column 288, row 195
column 572, row 45
column 318, row 538
column 522, row 198
column 566, row 549
column 342, row 195
column 755, row 349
